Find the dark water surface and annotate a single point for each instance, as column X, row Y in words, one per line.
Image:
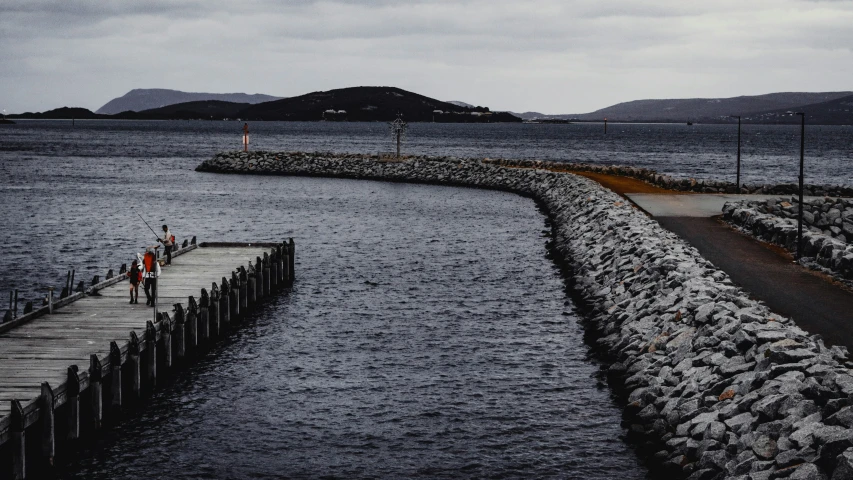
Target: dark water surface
column 770, row 153
column 69, row 195
column 427, row 335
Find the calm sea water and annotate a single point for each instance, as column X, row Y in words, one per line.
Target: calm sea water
column 770, row 153
column 427, row 336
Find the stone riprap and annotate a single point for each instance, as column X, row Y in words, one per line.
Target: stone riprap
column 716, row 385
column 827, row 229
column 681, row 184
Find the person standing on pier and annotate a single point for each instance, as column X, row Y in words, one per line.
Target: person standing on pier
column 168, row 241
column 135, row 275
column 152, row 271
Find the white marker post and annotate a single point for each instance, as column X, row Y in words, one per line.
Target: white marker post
column 245, row 137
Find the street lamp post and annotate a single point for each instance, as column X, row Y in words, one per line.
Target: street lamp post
column 802, row 155
column 738, row 152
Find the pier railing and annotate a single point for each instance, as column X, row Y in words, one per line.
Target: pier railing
column 81, row 291
column 94, row 393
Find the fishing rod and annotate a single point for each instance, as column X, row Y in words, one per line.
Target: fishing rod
column 149, row 227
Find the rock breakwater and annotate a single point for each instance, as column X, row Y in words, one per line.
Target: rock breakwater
column 681, row 184
column 827, row 229
column 716, row 385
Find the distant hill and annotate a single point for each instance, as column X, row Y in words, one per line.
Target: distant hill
column 64, row 113
column 537, row 115
column 356, row 104
column 383, row 103
column 204, row 110
column 838, row 111
column 370, row 104
column 708, row 110
column 140, row 99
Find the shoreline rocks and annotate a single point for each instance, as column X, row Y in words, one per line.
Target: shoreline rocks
column 716, row 385
column 827, row 229
column 682, row 184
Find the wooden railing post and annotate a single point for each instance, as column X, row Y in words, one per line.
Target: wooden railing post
column 72, row 389
column 192, row 324
column 204, row 316
column 251, row 288
column 96, row 393
column 266, row 272
column 225, row 303
column 213, row 310
column 180, row 332
column 234, row 289
column 273, row 271
column 166, row 339
column 48, row 423
column 115, row 381
column 259, row 281
column 244, row 292
column 151, row 355
column 133, row 363
column 291, row 250
column 19, row 442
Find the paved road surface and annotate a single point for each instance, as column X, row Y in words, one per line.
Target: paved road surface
column 690, row 205
column 814, row 302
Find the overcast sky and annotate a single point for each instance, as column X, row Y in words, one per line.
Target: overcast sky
column 554, row 56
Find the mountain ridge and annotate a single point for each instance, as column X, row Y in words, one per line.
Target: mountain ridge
column 698, row 109
column 383, row 103
column 359, row 104
column 369, row 104
column 140, row 99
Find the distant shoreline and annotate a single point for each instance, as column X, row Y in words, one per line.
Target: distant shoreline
column 568, row 123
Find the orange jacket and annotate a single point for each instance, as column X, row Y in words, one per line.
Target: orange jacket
column 149, row 261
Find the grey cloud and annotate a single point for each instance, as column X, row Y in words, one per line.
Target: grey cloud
column 508, row 55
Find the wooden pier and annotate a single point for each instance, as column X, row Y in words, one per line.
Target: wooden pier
column 62, row 374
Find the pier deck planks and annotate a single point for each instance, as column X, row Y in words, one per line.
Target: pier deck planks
column 42, row 350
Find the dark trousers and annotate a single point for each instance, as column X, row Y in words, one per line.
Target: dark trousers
column 168, row 252
column 150, row 285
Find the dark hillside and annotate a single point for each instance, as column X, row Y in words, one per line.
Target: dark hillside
column 140, row 99
column 834, row 112
column 369, row 104
column 203, row 110
column 708, row 109
column 64, row 113
column 705, row 110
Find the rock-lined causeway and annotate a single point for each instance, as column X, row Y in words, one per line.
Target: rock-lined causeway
column 827, row 229
column 717, row 386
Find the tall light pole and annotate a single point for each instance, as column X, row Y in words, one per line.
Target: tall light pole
column 802, row 155
column 738, row 152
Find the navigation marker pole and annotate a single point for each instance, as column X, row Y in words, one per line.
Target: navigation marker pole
column 399, row 129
